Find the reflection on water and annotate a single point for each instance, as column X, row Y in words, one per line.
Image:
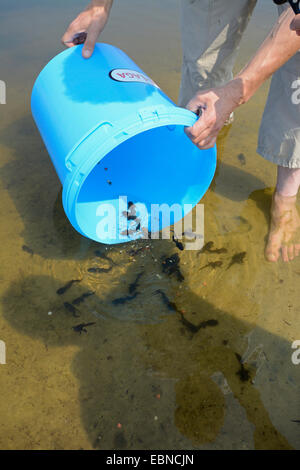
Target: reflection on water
column 166, row 362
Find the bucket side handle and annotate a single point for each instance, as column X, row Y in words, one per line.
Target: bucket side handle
column 151, row 113
column 104, row 128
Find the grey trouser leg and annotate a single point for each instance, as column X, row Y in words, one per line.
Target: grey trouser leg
column 211, row 34
column 279, row 133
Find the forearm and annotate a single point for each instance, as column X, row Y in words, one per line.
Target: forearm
column 279, row 46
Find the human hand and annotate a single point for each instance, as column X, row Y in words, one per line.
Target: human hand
column 295, row 24
column 87, row 26
column 215, row 105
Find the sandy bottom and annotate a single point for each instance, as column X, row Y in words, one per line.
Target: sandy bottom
column 142, row 377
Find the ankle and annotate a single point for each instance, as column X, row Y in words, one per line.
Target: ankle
column 281, row 198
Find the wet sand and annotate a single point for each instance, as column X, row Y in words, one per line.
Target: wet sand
column 230, row 384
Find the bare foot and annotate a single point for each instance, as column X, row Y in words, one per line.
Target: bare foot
column 284, row 234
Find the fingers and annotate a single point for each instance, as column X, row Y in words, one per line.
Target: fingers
column 204, row 132
column 92, row 36
column 70, row 34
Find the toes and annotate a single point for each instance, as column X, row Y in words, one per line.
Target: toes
column 285, row 255
column 291, row 254
column 297, row 249
column 272, row 254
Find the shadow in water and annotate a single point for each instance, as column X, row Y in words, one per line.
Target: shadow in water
column 126, row 369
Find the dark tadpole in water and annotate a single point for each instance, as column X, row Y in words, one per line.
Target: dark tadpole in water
column 80, row 299
column 170, row 266
column 104, row 256
column 99, row 270
column 67, row 286
column 123, row 300
column 243, row 373
column 134, row 252
column 211, row 322
column 82, row 327
column 178, row 244
column 134, row 285
column 27, row 250
column 195, row 328
column 71, row 309
column 242, row 159
column 219, row 251
column 189, row 325
column 208, row 248
column 295, row 421
column 238, row 258
column 171, row 305
column 213, row 265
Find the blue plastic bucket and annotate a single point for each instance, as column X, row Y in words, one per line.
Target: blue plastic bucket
column 118, row 145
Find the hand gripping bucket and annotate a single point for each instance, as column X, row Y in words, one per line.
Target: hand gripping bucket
column 118, row 145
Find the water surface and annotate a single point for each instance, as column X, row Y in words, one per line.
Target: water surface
column 140, row 378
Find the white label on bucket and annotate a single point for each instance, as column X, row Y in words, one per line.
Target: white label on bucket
column 126, row 75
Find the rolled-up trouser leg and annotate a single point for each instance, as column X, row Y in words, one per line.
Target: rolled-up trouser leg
column 279, row 134
column 211, row 34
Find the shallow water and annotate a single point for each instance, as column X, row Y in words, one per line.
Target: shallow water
column 141, row 364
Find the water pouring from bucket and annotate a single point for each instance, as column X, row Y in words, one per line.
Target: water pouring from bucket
column 118, row 145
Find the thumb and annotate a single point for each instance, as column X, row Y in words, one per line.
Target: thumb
column 196, row 106
column 295, row 24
